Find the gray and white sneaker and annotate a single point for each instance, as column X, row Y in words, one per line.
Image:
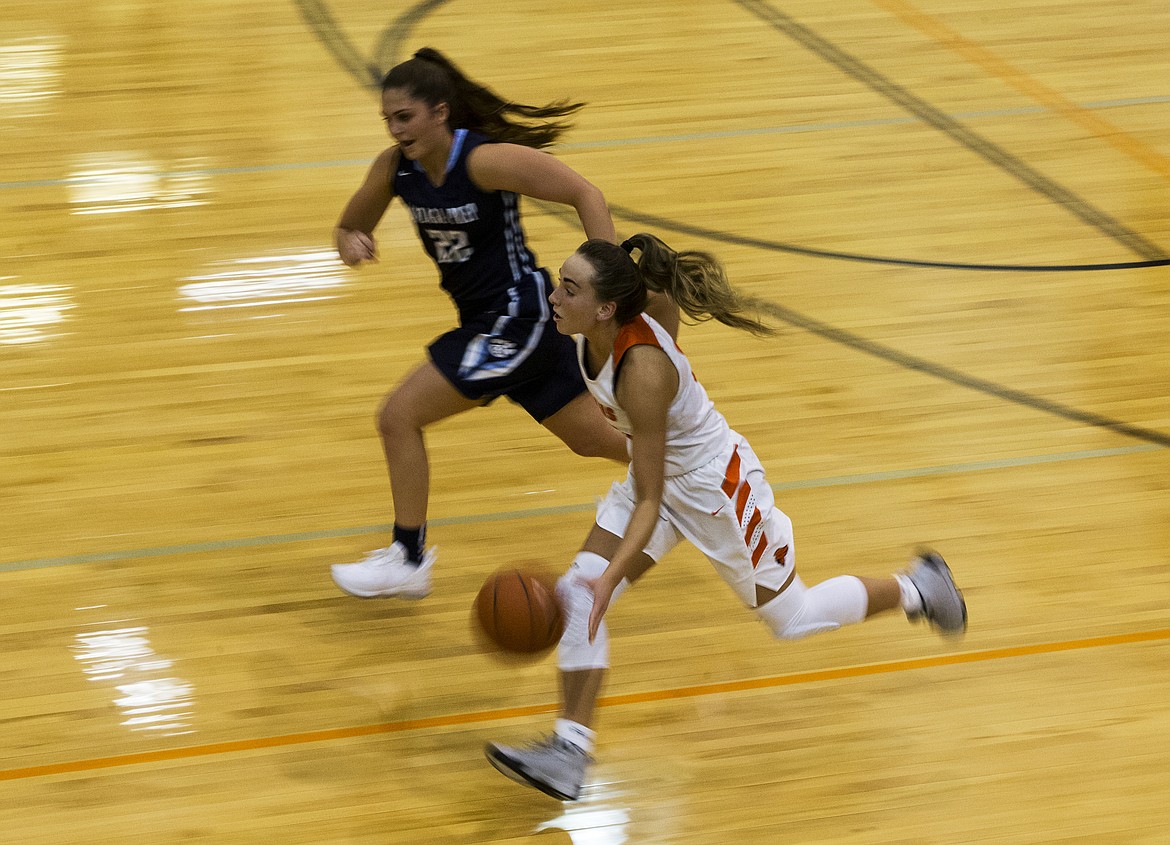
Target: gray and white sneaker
column 385, row 572
column 551, row 764
column 942, row 603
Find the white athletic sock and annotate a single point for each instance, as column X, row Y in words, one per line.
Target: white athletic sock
column 911, row 598
column 576, row 734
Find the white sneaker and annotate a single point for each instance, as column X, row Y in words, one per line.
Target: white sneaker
column 385, row 572
column 942, row 603
column 551, row 764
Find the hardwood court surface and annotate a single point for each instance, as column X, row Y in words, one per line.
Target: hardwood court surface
column 964, row 207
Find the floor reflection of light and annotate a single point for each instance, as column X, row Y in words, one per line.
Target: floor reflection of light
column 594, row 819
column 28, row 312
column 264, row 281
column 155, row 705
column 109, row 183
column 30, row 75
column 149, row 698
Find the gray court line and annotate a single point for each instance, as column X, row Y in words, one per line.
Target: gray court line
column 532, row 513
column 647, row 140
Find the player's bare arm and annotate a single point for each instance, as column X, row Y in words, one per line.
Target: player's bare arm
column 354, row 235
column 647, row 385
column 536, row 174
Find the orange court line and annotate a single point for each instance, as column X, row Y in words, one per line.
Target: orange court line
column 1038, row 91
column 455, row 719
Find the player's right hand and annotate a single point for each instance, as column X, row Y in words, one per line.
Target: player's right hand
column 355, row 248
column 603, row 589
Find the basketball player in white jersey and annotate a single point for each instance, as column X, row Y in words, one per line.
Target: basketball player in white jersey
column 691, row 477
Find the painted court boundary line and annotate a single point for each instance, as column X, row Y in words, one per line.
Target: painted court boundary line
column 532, row 513
column 501, row 714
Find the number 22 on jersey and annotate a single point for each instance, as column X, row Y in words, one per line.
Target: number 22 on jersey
column 451, row 245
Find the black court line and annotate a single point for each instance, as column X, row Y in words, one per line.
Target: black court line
column 325, row 27
column 903, row 359
column 780, row 246
column 327, row 30
column 389, row 49
column 979, row 145
column 999, row 391
column 367, row 73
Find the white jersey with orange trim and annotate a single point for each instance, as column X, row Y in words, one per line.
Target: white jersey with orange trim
column 695, row 430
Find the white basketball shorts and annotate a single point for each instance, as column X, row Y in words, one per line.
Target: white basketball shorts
column 725, row 509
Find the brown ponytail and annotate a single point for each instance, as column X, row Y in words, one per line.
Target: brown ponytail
column 698, row 284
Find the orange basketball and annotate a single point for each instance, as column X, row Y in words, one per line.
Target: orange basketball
column 519, row 611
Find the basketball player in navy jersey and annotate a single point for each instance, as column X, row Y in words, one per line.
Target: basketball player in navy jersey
column 691, row 477
column 463, row 157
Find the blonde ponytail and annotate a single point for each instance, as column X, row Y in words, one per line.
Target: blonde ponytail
column 698, row 284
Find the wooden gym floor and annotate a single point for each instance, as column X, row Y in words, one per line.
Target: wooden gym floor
column 964, row 205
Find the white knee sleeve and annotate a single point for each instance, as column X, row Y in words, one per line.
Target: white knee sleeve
column 801, row 612
column 575, row 652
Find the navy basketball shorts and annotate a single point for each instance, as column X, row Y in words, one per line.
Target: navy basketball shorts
column 523, row 358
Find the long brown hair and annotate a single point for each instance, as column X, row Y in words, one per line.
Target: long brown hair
column 433, row 78
column 695, row 280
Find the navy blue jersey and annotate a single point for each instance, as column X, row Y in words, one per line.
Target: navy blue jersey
column 473, row 236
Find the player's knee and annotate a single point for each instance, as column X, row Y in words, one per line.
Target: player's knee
column 799, row 629
column 796, row 626
column 393, row 419
column 800, row 612
column 575, row 652
column 384, row 416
